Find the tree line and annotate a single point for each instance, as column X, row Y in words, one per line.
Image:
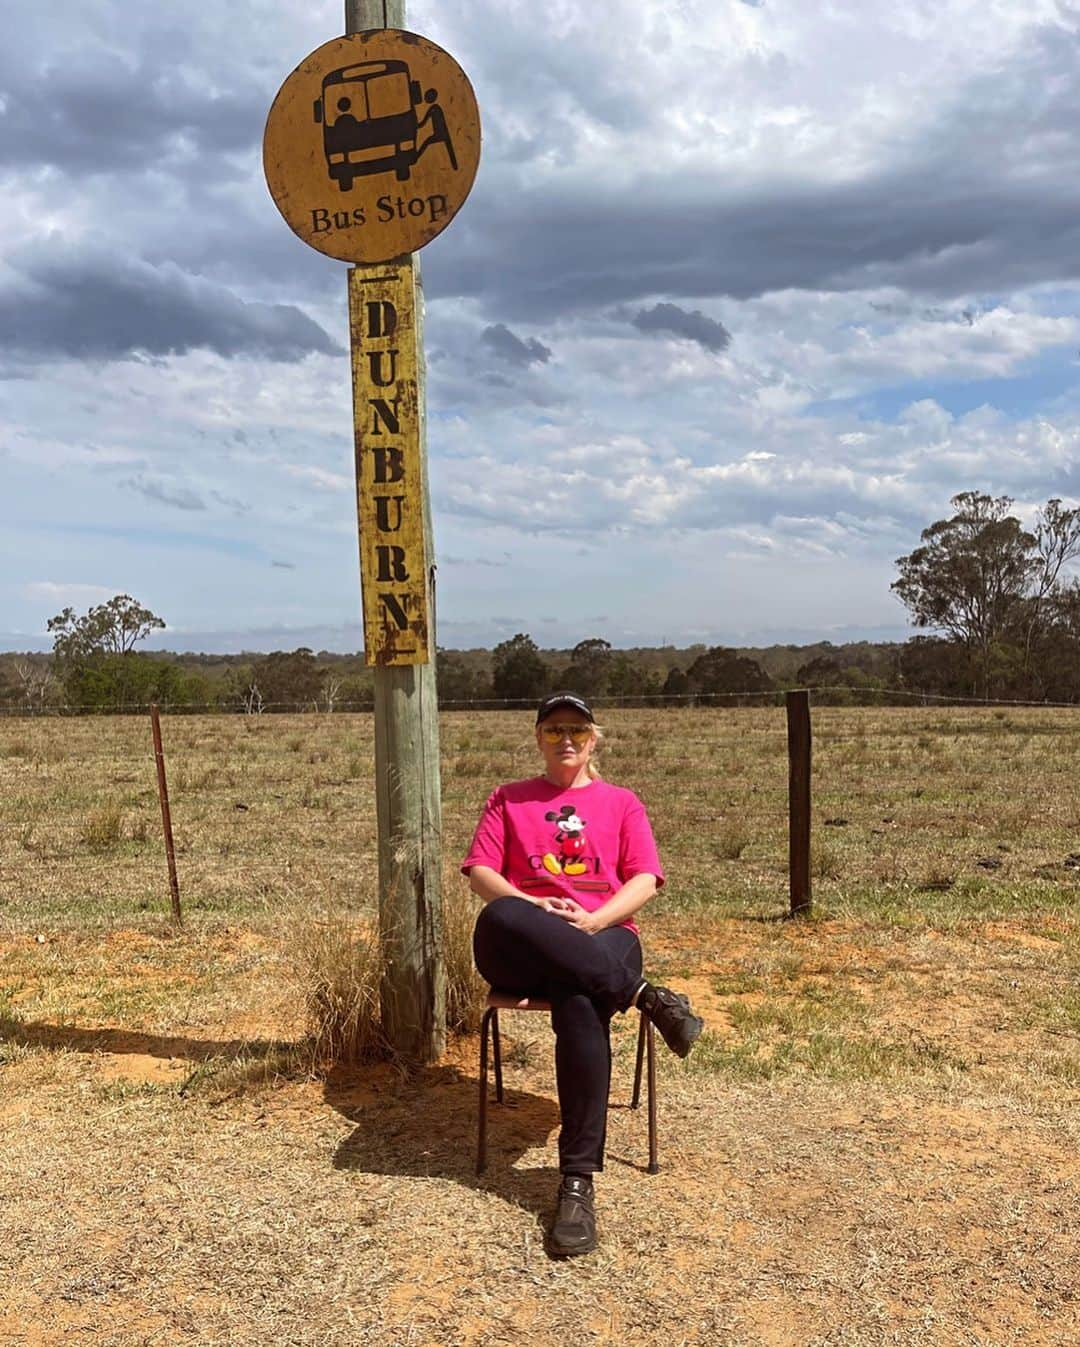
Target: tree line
column 998, row 598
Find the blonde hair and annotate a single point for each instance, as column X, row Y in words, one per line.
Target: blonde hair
column 598, row 739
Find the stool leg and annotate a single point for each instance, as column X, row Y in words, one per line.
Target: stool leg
column 654, row 1167
column 497, row 1047
column 635, row 1098
column 481, row 1131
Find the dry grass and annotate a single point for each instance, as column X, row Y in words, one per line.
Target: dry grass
column 465, row 988
column 874, row 1145
column 338, row 966
column 103, row 829
column 927, row 796
column 732, row 839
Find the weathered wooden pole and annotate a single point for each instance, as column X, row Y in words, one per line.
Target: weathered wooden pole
column 370, row 149
column 798, row 733
column 166, row 817
column 407, row 783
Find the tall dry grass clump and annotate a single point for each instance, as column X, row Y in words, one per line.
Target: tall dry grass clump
column 465, row 988
column 103, row 829
column 337, row 963
column 732, row 839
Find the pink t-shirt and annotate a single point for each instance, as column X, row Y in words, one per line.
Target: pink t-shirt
column 583, row 843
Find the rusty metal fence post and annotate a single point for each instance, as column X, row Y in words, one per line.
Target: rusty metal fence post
column 798, row 735
column 166, row 818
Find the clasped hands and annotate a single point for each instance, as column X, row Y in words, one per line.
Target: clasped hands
column 571, row 912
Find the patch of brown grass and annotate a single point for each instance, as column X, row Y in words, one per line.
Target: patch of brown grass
column 338, row 965
column 103, row 829
column 465, row 988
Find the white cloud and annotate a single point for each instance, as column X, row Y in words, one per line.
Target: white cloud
column 65, row 594
column 319, row 477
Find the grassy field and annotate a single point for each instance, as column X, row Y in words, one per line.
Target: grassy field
column 874, row 1143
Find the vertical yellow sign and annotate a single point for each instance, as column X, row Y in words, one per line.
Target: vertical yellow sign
column 389, row 463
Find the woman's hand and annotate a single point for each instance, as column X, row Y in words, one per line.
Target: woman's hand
column 552, row 905
column 574, row 914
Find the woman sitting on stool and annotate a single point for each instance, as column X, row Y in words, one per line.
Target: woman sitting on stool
column 563, row 861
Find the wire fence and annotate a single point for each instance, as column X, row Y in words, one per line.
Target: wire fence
column 276, row 810
column 850, row 695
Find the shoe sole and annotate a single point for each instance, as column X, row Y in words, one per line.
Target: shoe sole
column 560, row 1251
column 695, row 1023
column 683, row 1049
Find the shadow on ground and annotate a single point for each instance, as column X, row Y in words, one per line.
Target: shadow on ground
column 70, row 1038
column 420, row 1123
column 423, row 1124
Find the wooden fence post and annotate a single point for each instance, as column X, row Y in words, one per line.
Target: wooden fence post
column 166, row 818
column 798, row 736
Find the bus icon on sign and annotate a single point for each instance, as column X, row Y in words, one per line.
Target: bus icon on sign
column 369, row 119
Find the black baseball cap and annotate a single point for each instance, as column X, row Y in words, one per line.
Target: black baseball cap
column 558, row 699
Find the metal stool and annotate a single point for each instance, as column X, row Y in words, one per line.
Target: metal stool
column 496, row 1001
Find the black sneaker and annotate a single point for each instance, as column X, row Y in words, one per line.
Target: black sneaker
column 671, row 1014
column 574, row 1229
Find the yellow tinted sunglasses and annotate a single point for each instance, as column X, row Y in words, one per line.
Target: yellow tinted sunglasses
column 554, row 734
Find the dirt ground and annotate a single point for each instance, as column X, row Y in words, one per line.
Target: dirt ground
column 153, row 1195
column 874, row 1144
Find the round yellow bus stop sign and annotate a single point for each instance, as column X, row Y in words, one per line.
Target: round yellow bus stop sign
column 372, row 145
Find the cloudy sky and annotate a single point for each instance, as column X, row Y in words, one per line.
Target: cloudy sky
column 744, row 292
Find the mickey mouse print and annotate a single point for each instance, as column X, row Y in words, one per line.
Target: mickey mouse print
column 570, row 841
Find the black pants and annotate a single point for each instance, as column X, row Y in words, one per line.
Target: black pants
column 587, row 978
